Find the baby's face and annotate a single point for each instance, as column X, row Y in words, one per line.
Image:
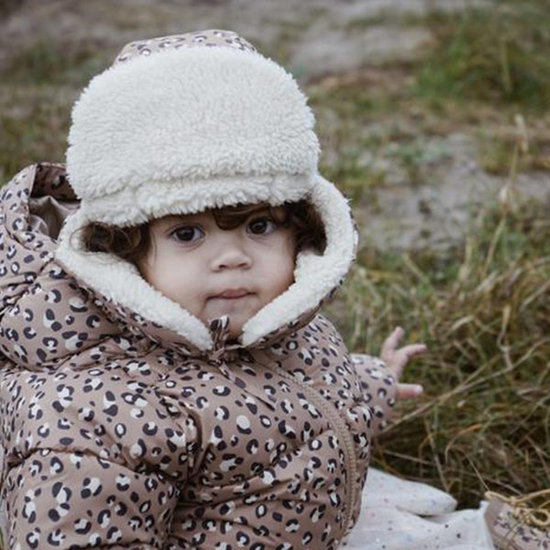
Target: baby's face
column 213, row 272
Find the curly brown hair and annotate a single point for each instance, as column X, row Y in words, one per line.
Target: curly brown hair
column 133, row 243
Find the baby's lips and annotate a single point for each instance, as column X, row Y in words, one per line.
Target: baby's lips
column 233, row 293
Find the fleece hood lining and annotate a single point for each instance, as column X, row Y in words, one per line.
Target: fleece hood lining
column 315, row 275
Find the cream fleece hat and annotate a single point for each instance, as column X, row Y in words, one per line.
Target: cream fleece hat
column 184, row 123
column 175, row 127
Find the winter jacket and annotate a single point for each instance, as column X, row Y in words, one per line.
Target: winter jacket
column 119, row 432
column 126, row 421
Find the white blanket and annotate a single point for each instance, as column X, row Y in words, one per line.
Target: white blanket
column 406, row 515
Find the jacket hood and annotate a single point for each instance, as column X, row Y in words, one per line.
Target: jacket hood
column 316, row 277
column 172, row 130
column 45, row 316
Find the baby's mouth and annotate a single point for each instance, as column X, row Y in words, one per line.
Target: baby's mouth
column 232, row 294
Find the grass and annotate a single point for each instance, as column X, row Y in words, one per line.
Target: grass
column 7, row 6
column 34, row 124
column 501, row 55
column 48, row 62
column 358, row 138
column 483, row 308
column 496, row 149
column 38, row 86
column 486, row 65
column 360, row 180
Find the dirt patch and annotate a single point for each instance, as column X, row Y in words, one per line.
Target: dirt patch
column 436, row 212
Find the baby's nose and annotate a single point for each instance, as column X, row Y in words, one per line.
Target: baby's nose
column 231, row 255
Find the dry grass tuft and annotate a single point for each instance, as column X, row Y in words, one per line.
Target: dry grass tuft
column 483, row 308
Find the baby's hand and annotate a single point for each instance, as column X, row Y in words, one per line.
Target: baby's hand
column 396, row 360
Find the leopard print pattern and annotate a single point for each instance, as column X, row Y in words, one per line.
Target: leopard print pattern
column 379, row 387
column 206, row 38
column 118, row 433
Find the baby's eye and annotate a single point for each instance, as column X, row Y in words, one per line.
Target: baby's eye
column 188, row 233
column 261, row 226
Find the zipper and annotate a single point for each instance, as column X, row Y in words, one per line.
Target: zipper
column 340, row 427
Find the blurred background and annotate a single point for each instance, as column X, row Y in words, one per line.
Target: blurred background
column 434, row 119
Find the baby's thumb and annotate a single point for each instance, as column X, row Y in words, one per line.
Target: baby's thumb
column 408, row 391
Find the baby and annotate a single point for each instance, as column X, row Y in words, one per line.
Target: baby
column 221, row 262
column 168, row 381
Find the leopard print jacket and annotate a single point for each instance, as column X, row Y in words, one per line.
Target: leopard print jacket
column 119, row 434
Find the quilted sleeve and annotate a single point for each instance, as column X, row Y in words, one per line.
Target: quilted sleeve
column 379, row 387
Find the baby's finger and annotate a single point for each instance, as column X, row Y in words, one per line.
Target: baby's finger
column 413, row 350
column 402, row 356
column 408, row 391
column 391, row 342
